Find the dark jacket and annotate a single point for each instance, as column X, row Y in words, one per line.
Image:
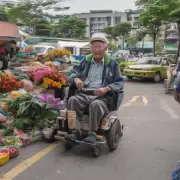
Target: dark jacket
column 111, row 74
column 111, row 77
column 178, row 67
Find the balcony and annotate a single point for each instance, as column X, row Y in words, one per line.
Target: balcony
column 172, row 36
column 171, row 28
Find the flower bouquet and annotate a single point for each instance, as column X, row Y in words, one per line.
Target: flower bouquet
column 38, row 73
column 59, row 53
column 54, row 80
column 9, row 83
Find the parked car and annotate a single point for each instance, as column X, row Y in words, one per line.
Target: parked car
column 148, row 67
column 42, row 50
column 148, row 55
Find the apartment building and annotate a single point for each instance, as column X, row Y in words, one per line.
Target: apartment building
column 5, row 2
column 98, row 19
column 171, row 38
column 133, row 18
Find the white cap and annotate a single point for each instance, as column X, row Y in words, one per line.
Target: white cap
column 99, row 37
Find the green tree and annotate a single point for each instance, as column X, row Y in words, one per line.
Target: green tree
column 3, row 14
column 44, row 28
column 159, row 47
column 26, row 14
column 108, row 30
column 31, row 14
column 112, row 47
column 152, row 17
column 141, row 34
column 123, row 29
column 70, row 27
column 132, row 41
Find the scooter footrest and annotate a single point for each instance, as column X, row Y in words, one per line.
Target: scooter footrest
column 98, row 137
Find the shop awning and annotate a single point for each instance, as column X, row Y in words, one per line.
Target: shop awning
column 72, row 44
column 9, row 31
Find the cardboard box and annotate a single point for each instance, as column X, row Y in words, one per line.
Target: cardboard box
column 71, row 114
column 63, row 113
column 72, row 123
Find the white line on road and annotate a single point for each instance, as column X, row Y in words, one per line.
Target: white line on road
column 145, row 101
column 133, row 100
column 169, row 110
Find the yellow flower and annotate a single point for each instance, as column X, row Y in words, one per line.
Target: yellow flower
column 63, row 82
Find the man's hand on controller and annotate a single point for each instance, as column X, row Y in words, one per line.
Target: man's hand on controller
column 79, row 83
column 102, row 91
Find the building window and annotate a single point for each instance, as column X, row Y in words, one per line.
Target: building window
column 101, row 25
column 129, row 18
column 136, row 18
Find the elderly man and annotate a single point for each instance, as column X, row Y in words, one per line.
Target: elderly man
column 99, row 72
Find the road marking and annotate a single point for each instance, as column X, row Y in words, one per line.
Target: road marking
column 169, row 110
column 145, row 101
column 134, row 99
column 27, row 163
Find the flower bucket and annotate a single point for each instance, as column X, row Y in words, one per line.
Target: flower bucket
column 59, row 93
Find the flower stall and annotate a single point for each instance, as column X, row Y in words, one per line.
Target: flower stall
column 24, row 57
column 30, row 99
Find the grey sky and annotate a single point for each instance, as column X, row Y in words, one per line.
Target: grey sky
column 77, row 6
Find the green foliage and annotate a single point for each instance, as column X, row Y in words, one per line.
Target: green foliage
column 108, row 30
column 122, row 29
column 112, row 47
column 152, row 17
column 159, row 48
column 3, row 14
column 156, row 12
column 30, row 14
column 44, row 28
column 141, row 33
column 132, row 41
column 70, row 27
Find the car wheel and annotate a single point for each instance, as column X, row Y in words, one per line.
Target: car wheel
column 157, row 78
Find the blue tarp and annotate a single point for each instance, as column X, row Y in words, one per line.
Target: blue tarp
column 78, row 58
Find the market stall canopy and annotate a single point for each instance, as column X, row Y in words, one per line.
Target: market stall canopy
column 62, row 44
column 9, row 31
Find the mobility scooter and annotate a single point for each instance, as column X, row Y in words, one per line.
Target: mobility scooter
column 110, row 130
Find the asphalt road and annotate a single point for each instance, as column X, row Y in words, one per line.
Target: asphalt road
column 149, row 149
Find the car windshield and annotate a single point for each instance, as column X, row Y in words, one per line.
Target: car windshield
column 149, row 60
column 40, row 49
